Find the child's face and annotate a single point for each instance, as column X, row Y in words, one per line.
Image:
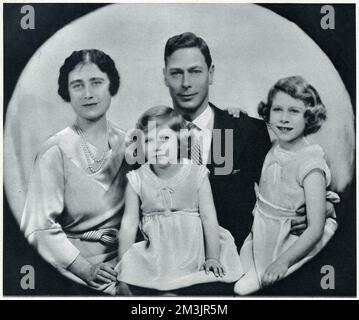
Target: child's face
column 162, row 146
column 287, row 118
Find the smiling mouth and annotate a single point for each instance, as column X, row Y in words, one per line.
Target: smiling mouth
column 187, row 96
column 161, row 155
column 284, row 129
column 89, row 104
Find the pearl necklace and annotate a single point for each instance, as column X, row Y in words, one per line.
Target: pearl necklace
column 88, row 154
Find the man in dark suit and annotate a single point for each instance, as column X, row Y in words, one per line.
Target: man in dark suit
column 233, row 193
column 188, row 73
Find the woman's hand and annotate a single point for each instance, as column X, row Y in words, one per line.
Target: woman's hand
column 215, row 266
column 274, row 272
column 235, row 112
column 100, row 273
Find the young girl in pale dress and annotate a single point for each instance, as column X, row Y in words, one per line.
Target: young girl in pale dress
column 294, row 173
column 170, row 200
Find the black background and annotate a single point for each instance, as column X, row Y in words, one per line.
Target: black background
column 338, row 44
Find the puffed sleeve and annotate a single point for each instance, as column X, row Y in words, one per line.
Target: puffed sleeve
column 314, row 161
column 203, row 172
column 135, row 181
column 43, row 208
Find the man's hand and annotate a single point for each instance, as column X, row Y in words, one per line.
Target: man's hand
column 299, row 223
column 235, row 112
column 330, row 213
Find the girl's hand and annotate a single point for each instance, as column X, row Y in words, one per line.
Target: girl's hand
column 274, row 272
column 100, row 273
column 235, row 112
column 215, row 266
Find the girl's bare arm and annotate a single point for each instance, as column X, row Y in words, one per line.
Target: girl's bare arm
column 315, row 192
column 130, row 221
column 209, row 220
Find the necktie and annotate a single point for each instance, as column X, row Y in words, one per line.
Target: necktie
column 195, row 155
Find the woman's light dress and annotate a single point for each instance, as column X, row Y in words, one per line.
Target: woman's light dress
column 69, row 211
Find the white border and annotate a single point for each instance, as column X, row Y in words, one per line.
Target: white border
column 171, row 298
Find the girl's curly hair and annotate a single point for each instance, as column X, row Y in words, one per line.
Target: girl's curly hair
column 298, row 88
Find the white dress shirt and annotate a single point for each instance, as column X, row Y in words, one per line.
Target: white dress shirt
column 205, row 122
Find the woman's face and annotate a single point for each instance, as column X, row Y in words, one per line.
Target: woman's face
column 89, row 91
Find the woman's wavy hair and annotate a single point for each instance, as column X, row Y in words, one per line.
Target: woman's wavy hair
column 298, row 88
column 103, row 61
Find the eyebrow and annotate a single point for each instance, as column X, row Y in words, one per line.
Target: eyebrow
column 97, row 78
column 190, row 68
column 289, row 107
column 91, row 79
column 75, row 81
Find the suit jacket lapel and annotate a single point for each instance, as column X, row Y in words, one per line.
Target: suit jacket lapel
column 224, row 121
column 220, row 123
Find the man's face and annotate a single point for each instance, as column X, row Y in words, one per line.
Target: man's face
column 188, row 79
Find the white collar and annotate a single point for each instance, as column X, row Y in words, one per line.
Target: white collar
column 205, row 119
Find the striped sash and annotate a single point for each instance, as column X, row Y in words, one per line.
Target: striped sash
column 106, row 236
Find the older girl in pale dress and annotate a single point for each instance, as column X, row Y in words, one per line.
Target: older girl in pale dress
column 75, row 197
column 294, row 173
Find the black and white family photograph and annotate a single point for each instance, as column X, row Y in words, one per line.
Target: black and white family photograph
column 176, row 150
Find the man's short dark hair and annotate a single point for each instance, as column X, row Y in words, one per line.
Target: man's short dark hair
column 187, row 40
column 103, row 61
